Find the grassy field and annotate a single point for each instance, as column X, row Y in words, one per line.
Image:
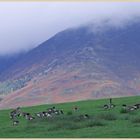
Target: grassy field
column 102, row 123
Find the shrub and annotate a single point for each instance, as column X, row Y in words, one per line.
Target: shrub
column 107, row 116
column 69, row 113
column 132, row 112
column 136, row 120
column 64, row 125
column 78, row 119
column 93, row 123
column 72, row 126
column 53, row 128
column 124, row 111
column 126, row 117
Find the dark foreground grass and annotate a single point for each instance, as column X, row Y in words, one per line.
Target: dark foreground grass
column 113, row 123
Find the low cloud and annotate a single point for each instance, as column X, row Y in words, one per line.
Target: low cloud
column 24, row 25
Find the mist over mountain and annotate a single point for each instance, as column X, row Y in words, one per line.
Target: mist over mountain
column 24, row 25
column 75, row 64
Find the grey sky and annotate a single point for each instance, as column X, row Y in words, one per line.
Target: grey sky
column 24, row 25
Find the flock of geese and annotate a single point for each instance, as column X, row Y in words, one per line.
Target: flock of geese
column 51, row 112
column 16, row 113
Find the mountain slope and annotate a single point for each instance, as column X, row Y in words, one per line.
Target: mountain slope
column 77, row 64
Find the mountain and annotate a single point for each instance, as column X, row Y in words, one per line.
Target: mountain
column 75, row 64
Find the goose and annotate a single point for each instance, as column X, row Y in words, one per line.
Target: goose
column 15, row 122
column 30, row 118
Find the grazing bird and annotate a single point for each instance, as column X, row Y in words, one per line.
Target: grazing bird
column 132, row 108
column 48, row 115
column 110, row 100
column 39, row 114
column 44, row 114
column 15, row 113
column 25, row 114
column 15, row 122
column 52, row 110
column 85, row 116
column 75, row 108
column 110, row 105
column 129, row 108
column 56, row 112
column 124, row 106
column 29, row 117
column 137, row 106
column 12, row 114
column 61, row 111
column 53, row 107
column 106, row 106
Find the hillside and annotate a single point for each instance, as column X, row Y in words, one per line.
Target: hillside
column 112, row 123
column 75, row 64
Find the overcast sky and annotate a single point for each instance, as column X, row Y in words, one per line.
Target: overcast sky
column 24, row 25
